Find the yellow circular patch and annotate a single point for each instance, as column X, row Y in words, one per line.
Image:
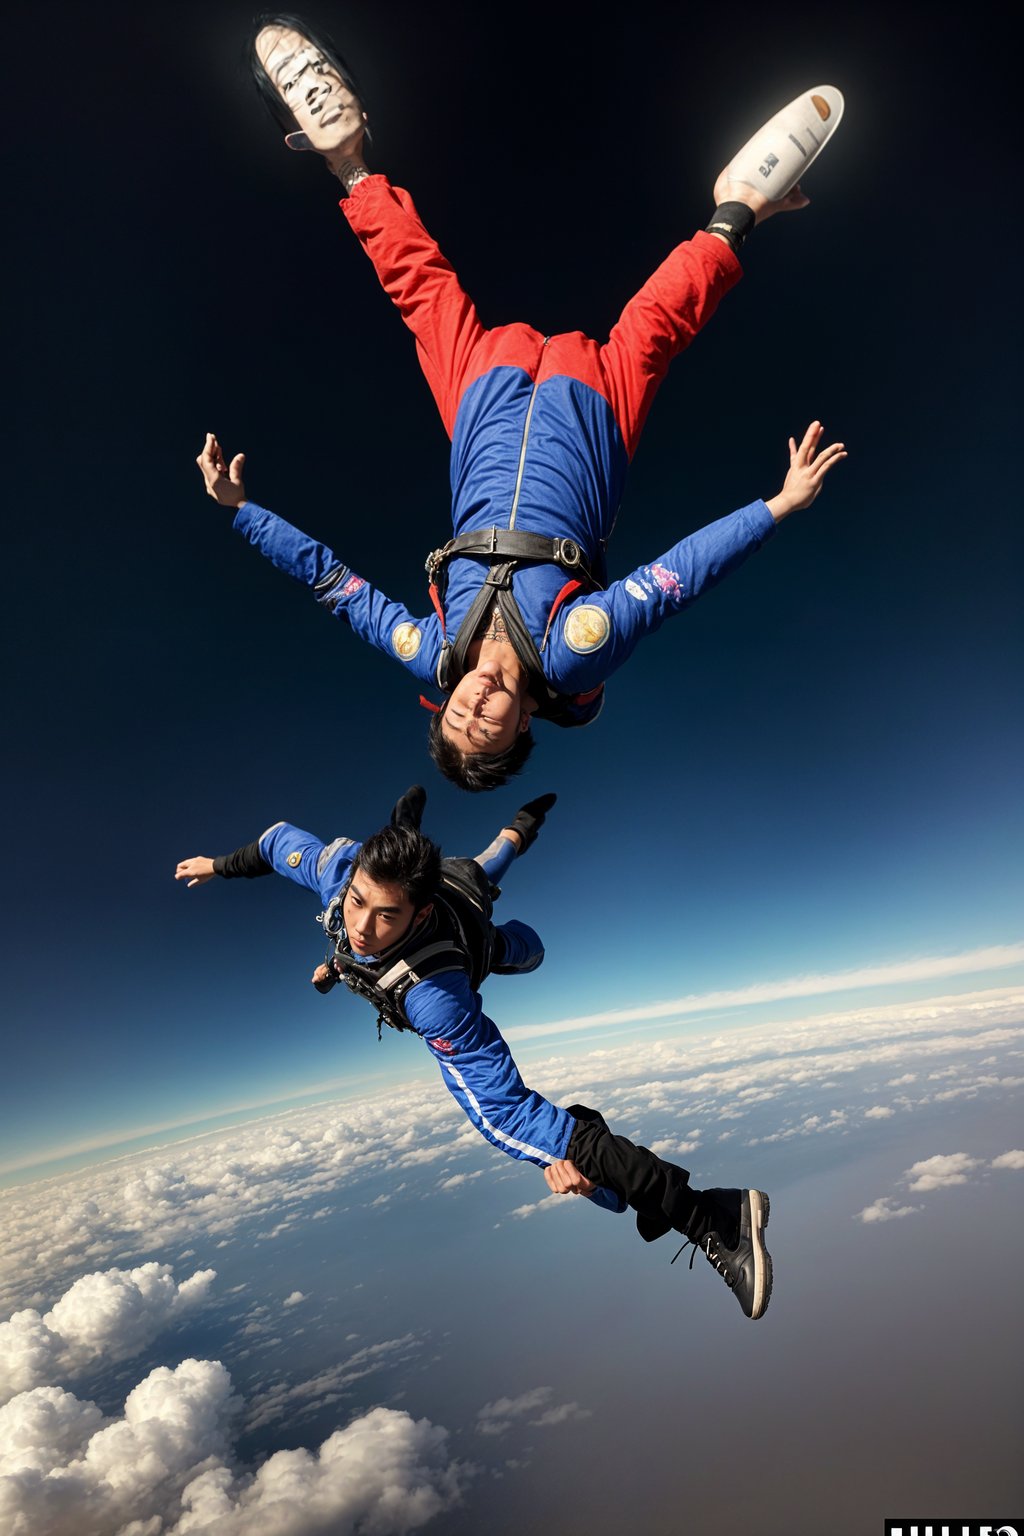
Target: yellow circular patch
column 587, row 629
column 294, row 859
column 406, row 640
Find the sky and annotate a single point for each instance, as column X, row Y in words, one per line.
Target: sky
column 802, row 800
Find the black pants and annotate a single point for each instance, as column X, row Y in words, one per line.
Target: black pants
column 657, row 1191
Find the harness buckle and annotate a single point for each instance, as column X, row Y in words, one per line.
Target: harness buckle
column 434, row 562
column 568, row 553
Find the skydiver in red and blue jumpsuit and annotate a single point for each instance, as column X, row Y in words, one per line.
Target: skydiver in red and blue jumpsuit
column 542, row 429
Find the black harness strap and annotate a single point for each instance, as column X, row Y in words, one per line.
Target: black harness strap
column 498, row 578
column 511, row 544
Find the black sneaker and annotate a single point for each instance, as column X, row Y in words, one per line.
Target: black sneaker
column 734, row 1245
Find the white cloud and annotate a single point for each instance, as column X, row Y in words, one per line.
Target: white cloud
column 65, row 1471
column 294, row 1299
column 163, row 1469
column 535, row 1407
column 927, row 968
column 291, row 1399
column 114, row 1313
column 458, row 1179
column 385, row 1473
column 1014, row 1159
column 879, row 1112
column 549, row 1203
column 940, row 1172
column 561, row 1413
column 885, row 1210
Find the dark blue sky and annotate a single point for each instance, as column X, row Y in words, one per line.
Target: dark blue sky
column 817, row 767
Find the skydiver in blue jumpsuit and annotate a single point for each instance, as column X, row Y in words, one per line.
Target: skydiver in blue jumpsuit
column 389, row 908
column 543, row 429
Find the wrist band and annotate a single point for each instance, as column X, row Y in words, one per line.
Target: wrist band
column 733, row 221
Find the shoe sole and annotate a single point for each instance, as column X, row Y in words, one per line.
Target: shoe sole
column 774, row 160
column 760, row 1208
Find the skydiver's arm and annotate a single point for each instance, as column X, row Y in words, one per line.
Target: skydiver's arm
column 387, row 625
column 587, row 650
column 640, row 604
column 283, row 850
column 247, row 863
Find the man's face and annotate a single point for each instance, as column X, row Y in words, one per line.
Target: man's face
column 484, row 712
column 377, row 916
column 309, row 85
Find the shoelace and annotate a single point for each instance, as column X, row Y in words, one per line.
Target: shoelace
column 707, row 1247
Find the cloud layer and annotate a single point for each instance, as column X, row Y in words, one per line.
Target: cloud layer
column 761, row 1085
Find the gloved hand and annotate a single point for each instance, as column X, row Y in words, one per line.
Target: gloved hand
column 530, row 818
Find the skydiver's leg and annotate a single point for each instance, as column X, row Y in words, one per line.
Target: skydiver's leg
column 659, row 322
column 454, row 348
column 657, row 1191
column 497, row 857
column 727, row 1225
column 518, row 948
column 516, row 838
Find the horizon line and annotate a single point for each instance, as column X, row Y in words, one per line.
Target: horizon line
column 922, row 968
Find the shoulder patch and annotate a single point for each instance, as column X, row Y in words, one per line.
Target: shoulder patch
column 294, row 859
column 636, row 591
column 587, row 629
column 406, row 640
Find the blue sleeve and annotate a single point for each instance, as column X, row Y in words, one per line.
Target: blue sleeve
column 597, row 633
column 304, row 858
column 387, row 625
column 480, row 1074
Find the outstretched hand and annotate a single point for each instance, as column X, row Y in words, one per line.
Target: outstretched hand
column 223, row 480
column 807, row 471
column 196, row 871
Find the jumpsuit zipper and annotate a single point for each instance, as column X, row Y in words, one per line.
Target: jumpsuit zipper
column 522, row 451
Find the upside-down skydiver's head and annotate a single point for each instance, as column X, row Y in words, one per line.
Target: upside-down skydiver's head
column 301, row 77
column 394, row 880
column 481, row 736
column 482, row 769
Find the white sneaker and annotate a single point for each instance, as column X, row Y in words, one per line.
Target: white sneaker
column 775, row 159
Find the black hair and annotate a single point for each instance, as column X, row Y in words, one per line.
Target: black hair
column 267, row 90
column 476, row 771
column 403, row 856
